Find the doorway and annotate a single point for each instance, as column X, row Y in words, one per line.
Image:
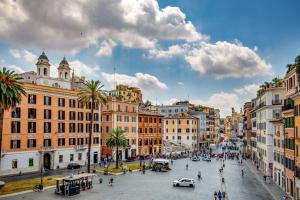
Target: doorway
column 47, row 161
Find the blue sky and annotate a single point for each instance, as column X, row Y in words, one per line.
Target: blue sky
column 211, row 52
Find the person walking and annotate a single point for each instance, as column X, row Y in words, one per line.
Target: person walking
column 216, row 195
column 111, row 180
column 199, row 175
column 220, row 195
column 242, row 172
column 265, row 178
column 187, row 166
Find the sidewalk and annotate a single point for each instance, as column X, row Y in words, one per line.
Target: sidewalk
column 274, row 190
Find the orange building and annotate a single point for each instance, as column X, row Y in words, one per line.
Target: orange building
column 124, row 114
column 48, row 128
column 150, row 133
column 291, row 85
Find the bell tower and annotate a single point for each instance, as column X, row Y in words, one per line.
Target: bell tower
column 43, row 66
column 64, row 70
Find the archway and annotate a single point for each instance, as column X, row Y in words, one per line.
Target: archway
column 47, row 161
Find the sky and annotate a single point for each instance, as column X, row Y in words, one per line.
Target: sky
column 210, row 52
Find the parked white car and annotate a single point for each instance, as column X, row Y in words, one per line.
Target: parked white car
column 184, row 182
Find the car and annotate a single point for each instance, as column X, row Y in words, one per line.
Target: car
column 73, row 166
column 196, row 159
column 208, row 159
column 184, row 182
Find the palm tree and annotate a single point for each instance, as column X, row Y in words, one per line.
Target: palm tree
column 92, row 93
column 148, row 103
column 117, row 139
column 277, row 82
column 11, row 92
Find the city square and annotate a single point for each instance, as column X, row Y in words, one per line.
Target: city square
column 158, row 185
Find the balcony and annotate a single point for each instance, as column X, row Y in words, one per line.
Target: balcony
column 288, row 104
column 49, row 148
column 276, row 102
column 276, row 115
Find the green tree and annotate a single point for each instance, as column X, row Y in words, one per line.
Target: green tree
column 117, row 139
column 148, row 103
column 11, row 92
column 277, row 82
column 92, row 93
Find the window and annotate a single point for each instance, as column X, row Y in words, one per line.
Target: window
column 31, row 113
column 61, row 115
column 133, row 119
column 96, row 116
column 126, row 108
column 167, row 137
column 72, row 115
column 31, row 143
column 47, row 114
column 71, row 157
column 47, row 100
column 80, row 127
column 61, row 127
column 87, row 127
column 47, row 127
column 119, row 108
column 107, row 118
column 107, row 129
column 72, row 141
column 119, row 118
column 45, row 71
column 187, row 130
column 30, row 162
column 61, row 141
column 61, row 102
column 96, row 140
column 47, row 142
column 80, row 116
column 15, row 144
column 179, row 130
column 16, row 113
column 167, row 122
column 96, row 128
column 88, row 116
column 72, row 128
column 15, row 127
column 31, row 127
column 187, row 137
column 80, row 105
column 80, row 141
column 79, row 156
column 146, row 119
column 31, row 98
column 72, row 103
column 133, row 129
column 14, row 164
column 60, row 158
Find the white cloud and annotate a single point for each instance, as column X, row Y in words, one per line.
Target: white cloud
column 174, row 50
column 224, row 60
column 106, row 48
column 24, row 54
column 250, row 89
column 180, row 83
column 74, row 24
column 144, row 81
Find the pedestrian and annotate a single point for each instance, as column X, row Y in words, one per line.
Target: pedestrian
column 242, row 172
column 284, row 197
column 187, row 166
column 215, row 195
column 265, row 178
column 220, row 195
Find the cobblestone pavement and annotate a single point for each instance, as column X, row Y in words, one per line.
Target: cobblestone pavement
column 156, row 186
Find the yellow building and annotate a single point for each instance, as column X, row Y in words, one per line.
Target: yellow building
column 126, row 93
column 181, row 129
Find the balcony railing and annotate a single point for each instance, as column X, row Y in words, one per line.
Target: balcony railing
column 49, row 148
column 276, row 102
column 80, row 147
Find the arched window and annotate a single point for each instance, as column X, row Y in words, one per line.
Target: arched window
column 60, row 75
column 66, row 75
column 39, row 71
column 45, row 71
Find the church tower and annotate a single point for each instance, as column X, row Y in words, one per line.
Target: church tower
column 64, row 70
column 43, row 66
